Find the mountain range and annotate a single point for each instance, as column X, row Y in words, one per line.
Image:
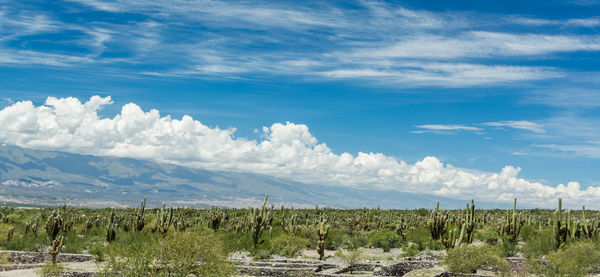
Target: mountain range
column 46, row 178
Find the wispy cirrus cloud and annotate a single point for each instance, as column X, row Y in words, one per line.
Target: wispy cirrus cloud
column 518, row 124
column 478, row 128
column 372, row 41
column 565, row 97
column 444, row 129
column 589, row 22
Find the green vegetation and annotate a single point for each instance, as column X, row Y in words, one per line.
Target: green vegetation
column 288, row 245
column 577, row 259
column 52, row 270
column 469, row 258
column 182, row 241
column 352, row 258
column 195, row 252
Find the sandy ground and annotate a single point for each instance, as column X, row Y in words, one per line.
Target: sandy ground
column 85, row 266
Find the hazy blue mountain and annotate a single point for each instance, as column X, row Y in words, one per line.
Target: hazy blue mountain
column 36, row 177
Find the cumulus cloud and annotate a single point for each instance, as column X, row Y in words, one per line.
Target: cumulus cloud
column 287, row 150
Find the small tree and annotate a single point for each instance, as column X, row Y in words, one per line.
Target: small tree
column 352, row 259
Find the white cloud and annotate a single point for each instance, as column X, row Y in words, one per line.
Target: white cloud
column 444, row 129
column 287, row 151
column 586, row 149
column 518, row 124
column 440, row 74
column 572, row 22
column 480, row 44
column 575, row 98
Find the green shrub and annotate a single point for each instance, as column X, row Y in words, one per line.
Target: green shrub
column 194, row 252
column 52, row 270
column 335, row 239
column 352, row 258
column 384, row 239
column 469, row 258
column 411, row 250
column 288, row 246
column 98, row 251
column 528, row 232
column 422, row 238
column 577, row 259
column 508, row 247
column 261, row 254
column 488, row 235
column 356, row 242
column 541, row 243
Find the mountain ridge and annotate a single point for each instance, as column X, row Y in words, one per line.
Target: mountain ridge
column 39, row 177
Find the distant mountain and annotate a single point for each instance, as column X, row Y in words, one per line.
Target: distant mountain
column 33, row 177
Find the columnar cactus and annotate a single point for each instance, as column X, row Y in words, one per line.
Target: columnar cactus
column 139, row 216
column 179, row 223
column 217, row 218
column 291, row 226
column 54, row 225
column 111, row 228
column 561, row 230
column 589, row 226
column 32, row 226
column 164, row 219
column 259, row 221
column 512, row 224
column 469, row 224
column 401, row 228
column 9, row 235
column 322, row 232
column 56, row 247
column 436, row 223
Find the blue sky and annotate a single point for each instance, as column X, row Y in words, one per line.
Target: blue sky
column 478, row 85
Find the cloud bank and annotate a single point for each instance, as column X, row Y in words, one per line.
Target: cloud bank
column 287, row 150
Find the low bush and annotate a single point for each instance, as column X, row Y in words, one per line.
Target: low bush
column 540, row 243
column 51, row 270
column 335, row 239
column 507, row 247
column 288, row 245
column 411, row 250
column 488, row 235
column 422, row 238
column 261, row 254
column 528, row 232
column 577, row 259
column 384, row 239
column 352, row 258
column 194, row 252
column 469, row 258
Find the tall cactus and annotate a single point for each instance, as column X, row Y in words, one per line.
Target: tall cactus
column 469, row 224
column 589, row 226
column 259, row 221
column 512, row 224
column 54, row 225
column 291, row 226
column 139, row 216
column 561, row 230
column 322, row 232
column 9, row 235
column 32, row 226
column 437, row 223
column 56, row 247
column 111, row 228
column 164, row 219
